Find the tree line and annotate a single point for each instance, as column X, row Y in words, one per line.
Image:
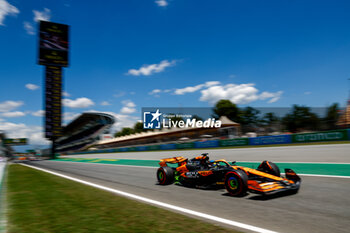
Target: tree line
column 298, row 119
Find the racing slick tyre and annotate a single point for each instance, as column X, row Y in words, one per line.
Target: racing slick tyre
column 269, row 167
column 236, row 183
column 165, row 175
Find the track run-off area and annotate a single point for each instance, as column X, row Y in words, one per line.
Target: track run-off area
column 322, row 204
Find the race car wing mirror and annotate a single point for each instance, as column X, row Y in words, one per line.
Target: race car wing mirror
column 233, row 163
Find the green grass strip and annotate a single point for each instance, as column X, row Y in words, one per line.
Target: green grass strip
column 41, row 202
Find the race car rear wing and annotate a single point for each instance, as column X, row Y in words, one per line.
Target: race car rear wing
column 179, row 160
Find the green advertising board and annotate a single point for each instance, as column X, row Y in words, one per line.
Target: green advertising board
column 234, row 142
column 15, row 141
column 334, row 135
column 186, row 145
column 153, row 147
column 132, row 149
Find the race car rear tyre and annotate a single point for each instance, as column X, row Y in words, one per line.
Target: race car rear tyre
column 165, row 175
column 236, row 183
column 269, row 167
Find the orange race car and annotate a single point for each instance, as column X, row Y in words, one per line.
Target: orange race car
column 238, row 180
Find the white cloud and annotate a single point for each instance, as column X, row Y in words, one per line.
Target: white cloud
column 129, row 107
column 6, row 9
column 68, row 116
column 13, row 114
column 42, row 15
column 119, row 94
column 29, row 28
column 105, row 103
column 126, row 110
column 32, row 87
column 272, row 96
column 155, row 92
column 39, row 113
column 65, row 94
column 161, row 3
column 123, row 120
column 10, row 105
column 185, row 90
column 239, row 94
column 82, row 102
column 129, row 104
column 151, row 69
column 35, row 134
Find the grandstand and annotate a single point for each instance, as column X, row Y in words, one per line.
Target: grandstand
column 228, row 129
column 84, row 131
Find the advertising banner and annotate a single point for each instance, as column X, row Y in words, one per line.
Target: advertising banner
column 334, row 135
column 206, row 144
column 154, row 147
column 168, row 147
column 124, row 149
column 185, row 145
column 234, row 142
column 141, row 148
column 267, row 140
column 15, row 141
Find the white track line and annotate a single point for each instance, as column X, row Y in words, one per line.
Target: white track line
column 108, row 164
column 329, row 176
column 158, row 203
column 295, row 162
column 118, row 165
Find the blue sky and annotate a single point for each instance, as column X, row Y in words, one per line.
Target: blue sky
column 126, row 55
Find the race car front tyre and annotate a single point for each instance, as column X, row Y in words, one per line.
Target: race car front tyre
column 236, row 183
column 165, row 175
column 269, row 167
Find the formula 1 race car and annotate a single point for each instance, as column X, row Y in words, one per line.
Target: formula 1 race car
column 238, row 180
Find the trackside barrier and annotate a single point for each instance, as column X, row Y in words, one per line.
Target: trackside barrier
column 168, row 147
column 141, row 148
column 185, row 145
column 207, row 144
column 154, row 147
column 269, row 140
column 334, row 135
column 234, row 142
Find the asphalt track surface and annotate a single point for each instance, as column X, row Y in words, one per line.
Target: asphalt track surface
column 322, row 204
column 339, row 153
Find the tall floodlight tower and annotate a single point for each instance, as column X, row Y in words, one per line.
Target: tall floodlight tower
column 53, row 54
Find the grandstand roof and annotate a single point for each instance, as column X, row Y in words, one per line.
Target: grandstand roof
column 83, row 130
column 86, row 118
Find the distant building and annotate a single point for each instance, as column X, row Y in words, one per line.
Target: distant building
column 344, row 119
